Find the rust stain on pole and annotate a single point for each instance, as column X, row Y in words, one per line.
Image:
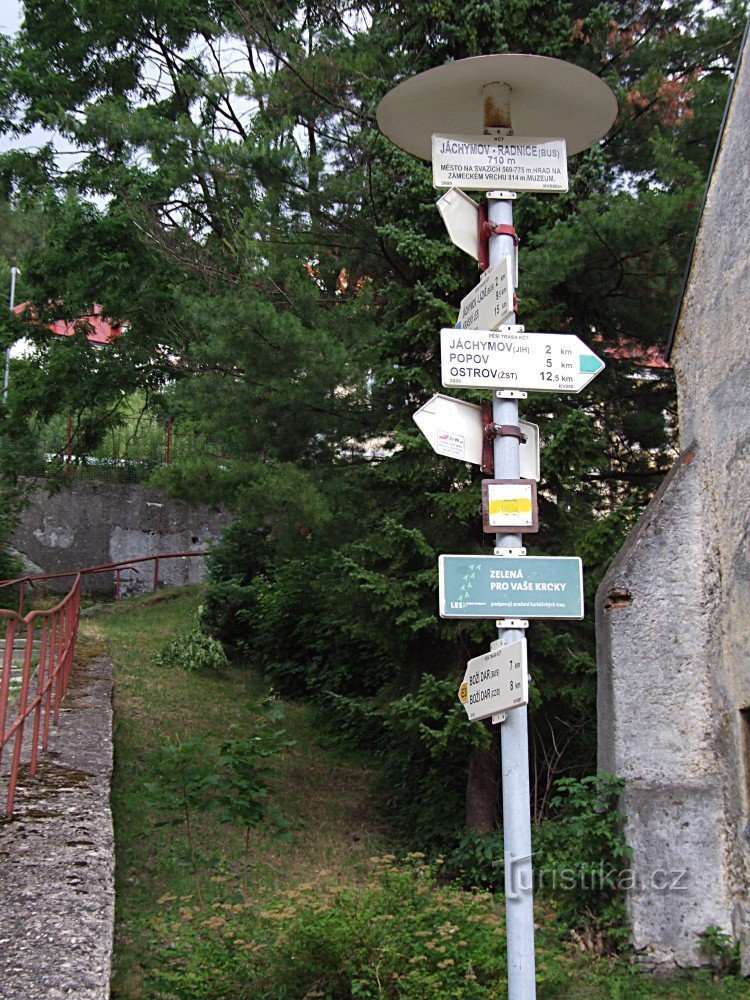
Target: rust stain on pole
column 495, row 115
column 496, row 103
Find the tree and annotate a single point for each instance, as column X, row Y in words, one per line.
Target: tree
column 285, row 275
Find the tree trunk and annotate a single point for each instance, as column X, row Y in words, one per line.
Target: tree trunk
column 481, row 785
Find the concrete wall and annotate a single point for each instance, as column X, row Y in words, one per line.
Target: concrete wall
column 93, row 523
column 673, row 611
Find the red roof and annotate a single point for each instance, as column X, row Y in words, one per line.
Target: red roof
column 101, row 330
column 643, row 355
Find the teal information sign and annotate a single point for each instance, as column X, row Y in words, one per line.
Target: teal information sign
column 511, row 587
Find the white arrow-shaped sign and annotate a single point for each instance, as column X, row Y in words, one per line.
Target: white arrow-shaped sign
column 490, row 303
column 454, row 429
column 510, row 358
column 496, row 681
column 461, row 217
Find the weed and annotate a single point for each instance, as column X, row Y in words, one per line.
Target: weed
column 190, row 776
column 722, row 952
column 193, row 651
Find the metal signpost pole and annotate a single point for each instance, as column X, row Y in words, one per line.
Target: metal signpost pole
column 514, row 738
column 13, row 273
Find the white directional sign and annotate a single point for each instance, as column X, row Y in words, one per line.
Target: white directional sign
column 511, row 358
column 491, row 302
column 460, row 214
column 485, row 163
column 454, row 429
column 496, row 681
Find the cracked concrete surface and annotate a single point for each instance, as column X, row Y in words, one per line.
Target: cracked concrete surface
column 57, row 855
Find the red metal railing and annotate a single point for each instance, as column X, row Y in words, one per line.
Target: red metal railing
column 42, row 644
column 54, row 649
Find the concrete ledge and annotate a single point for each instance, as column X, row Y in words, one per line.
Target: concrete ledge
column 57, row 856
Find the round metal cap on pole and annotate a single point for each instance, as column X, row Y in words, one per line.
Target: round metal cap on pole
column 548, row 97
column 537, row 101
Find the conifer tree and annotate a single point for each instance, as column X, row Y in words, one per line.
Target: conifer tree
column 284, row 274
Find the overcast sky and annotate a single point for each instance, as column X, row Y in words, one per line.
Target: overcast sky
column 10, row 20
column 10, row 16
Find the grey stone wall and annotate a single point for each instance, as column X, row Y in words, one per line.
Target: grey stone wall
column 655, row 647
column 673, row 611
column 90, row 524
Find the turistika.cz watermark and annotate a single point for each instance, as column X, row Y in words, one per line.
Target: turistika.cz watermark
column 520, row 878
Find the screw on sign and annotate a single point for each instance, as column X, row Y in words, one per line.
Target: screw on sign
column 480, row 121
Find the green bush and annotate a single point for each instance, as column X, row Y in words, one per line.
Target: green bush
column 230, row 604
column 477, row 860
column 581, row 856
column 402, row 935
column 228, row 611
column 240, row 554
column 193, row 651
column 426, row 746
column 580, row 859
column 350, row 620
column 721, row 951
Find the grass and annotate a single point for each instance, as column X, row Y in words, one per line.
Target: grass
column 333, row 886
column 335, row 829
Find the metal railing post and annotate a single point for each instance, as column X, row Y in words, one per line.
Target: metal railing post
column 40, row 677
column 20, row 718
column 50, row 682
column 57, row 667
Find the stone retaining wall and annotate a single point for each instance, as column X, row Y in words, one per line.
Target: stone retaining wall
column 89, row 524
